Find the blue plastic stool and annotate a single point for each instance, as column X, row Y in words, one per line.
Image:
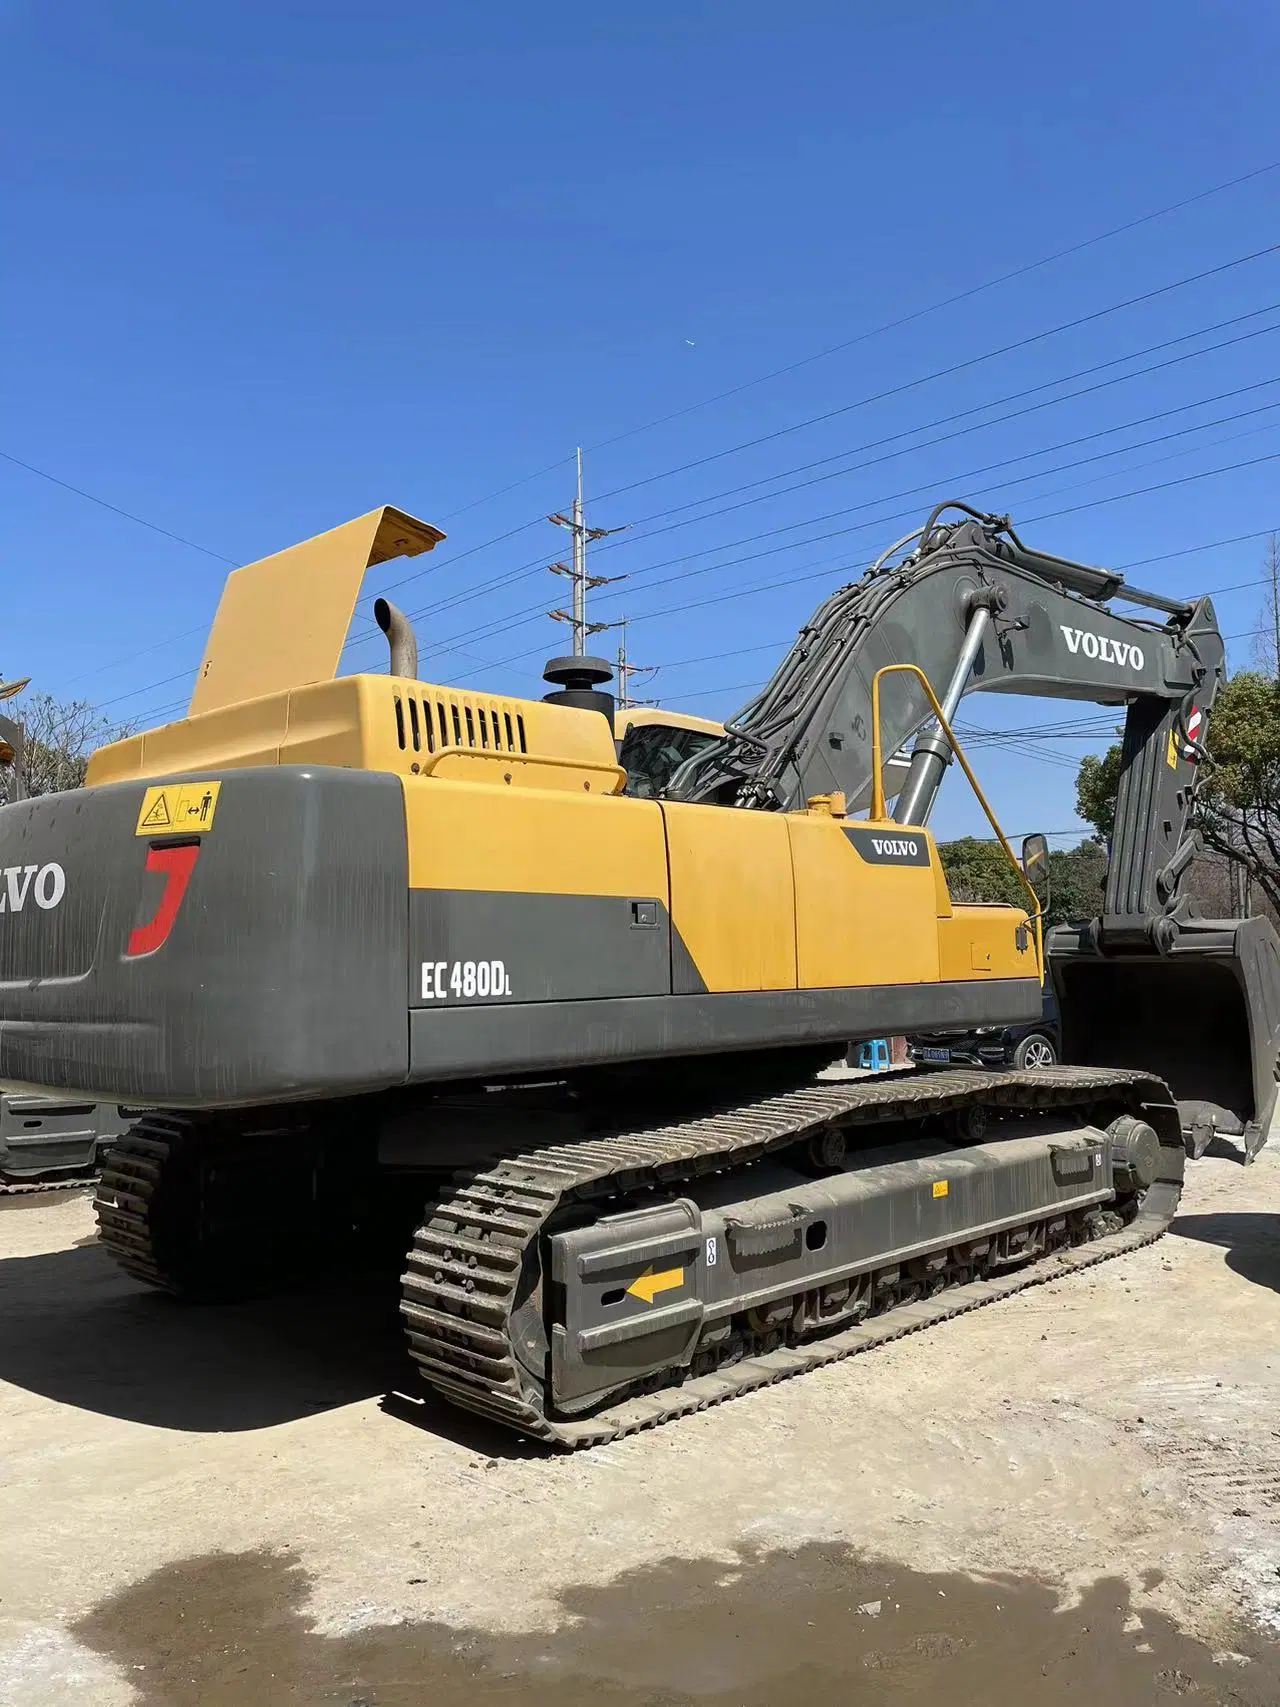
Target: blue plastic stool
column 875, row 1055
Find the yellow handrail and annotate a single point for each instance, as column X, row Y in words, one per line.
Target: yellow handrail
column 878, row 810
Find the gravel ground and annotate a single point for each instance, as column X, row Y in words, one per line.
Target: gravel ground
column 1124, row 1424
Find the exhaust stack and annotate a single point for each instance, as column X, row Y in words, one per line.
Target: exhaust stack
column 400, row 638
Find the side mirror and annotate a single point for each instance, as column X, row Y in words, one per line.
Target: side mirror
column 1035, row 862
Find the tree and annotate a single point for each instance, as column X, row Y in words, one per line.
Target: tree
column 1097, row 784
column 978, row 871
column 60, row 737
column 1076, row 879
column 1237, row 810
column 1238, row 806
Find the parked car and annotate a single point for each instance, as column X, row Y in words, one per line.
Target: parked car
column 1036, row 1043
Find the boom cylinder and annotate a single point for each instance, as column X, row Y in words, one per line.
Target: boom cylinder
column 932, row 752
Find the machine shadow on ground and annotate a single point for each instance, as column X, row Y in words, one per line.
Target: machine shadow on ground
column 1226, row 1150
column 76, row 1330
column 1251, row 1241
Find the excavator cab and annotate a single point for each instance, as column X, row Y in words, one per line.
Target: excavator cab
column 653, row 743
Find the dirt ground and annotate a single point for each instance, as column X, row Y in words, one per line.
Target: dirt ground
column 1077, row 1490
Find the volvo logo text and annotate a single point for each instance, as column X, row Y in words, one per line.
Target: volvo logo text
column 46, row 884
column 1102, row 647
column 894, row 848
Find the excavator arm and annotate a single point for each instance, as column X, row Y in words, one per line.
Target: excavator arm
column 1146, row 983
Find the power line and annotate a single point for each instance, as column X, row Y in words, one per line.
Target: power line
column 514, row 485
column 535, row 566
column 1115, row 498
column 1087, row 727
column 960, row 415
column 895, row 324
column 828, row 565
column 870, row 333
column 527, row 570
column 115, row 509
column 944, row 302
column 774, row 646
column 1024, row 456
column 958, row 480
column 890, row 326
column 506, row 624
column 522, row 619
column 1025, row 745
column 954, row 368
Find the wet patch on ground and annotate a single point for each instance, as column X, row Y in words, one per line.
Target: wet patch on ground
column 820, row 1624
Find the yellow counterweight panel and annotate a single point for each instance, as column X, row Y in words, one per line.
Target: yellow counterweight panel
column 732, row 899
column 246, row 734
column 859, row 923
column 465, row 835
column 383, row 723
column 345, row 722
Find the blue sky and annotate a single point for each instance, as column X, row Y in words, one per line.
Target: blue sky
column 269, row 266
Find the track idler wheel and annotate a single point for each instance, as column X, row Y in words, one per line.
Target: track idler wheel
column 968, row 1125
column 1135, row 1153
column 826, row 1149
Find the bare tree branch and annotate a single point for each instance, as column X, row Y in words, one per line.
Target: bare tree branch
column 60, row 738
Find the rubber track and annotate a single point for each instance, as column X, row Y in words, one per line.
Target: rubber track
column 130, row 1174
column 145, row 1228
column 467, row 1260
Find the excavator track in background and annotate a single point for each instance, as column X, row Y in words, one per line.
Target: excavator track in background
column 34, row 1187
column 477, row 1287
column 54, row 1143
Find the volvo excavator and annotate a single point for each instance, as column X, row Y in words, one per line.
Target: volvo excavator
column 354, row 941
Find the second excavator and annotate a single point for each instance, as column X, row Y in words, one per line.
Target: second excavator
column 361, row 940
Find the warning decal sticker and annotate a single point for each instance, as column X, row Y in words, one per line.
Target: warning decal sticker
column 1187, row 750
column 178, row 808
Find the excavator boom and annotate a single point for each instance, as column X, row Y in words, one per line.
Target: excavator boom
column 1143, row 983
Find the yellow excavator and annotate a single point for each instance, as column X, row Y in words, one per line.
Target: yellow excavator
column 352, row 939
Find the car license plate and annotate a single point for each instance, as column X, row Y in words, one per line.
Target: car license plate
column 935, row 1055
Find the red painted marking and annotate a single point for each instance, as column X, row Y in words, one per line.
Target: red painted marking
column 177, row 865
column 1193, row 726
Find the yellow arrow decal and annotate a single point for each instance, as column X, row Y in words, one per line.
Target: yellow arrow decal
column 648, row 1285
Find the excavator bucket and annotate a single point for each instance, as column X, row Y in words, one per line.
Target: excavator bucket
column 1203, row 1016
